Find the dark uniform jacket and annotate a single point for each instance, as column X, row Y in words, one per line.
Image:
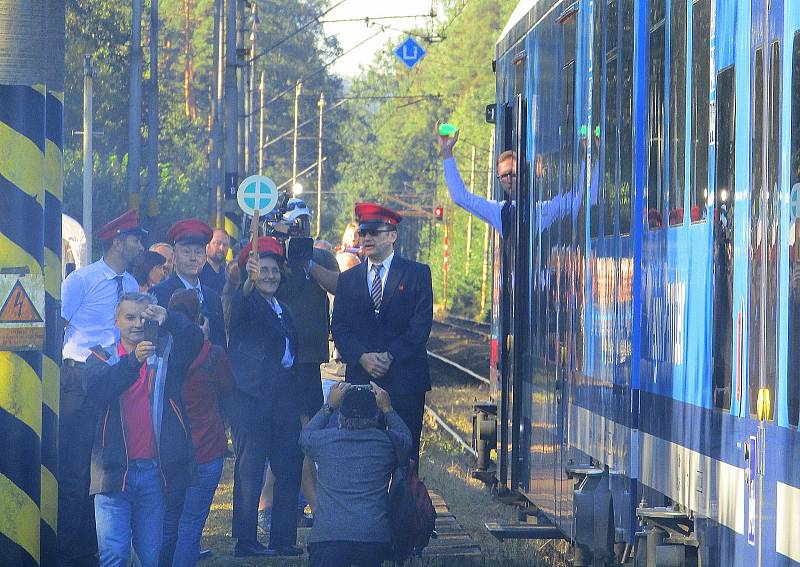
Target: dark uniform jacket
column 401, row 328
column 257, row 346
column 211, row 306
column 174, row 443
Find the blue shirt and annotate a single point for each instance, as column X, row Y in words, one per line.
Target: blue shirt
column 89, row 299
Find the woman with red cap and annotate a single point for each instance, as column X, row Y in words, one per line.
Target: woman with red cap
column 264, row 409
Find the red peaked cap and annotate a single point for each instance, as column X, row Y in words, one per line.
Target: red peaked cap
column 268, row 244
column 125, row 224
column 190, row 231
column 370, row 215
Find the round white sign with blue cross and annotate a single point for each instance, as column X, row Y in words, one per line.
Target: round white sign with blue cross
column 257, row 193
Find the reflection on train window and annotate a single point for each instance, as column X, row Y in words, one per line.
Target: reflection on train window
column 701, row 45
column 593, row 132
column 773, row 217
column 611, row 127
column 655, row 173
column 754, row 331
column 626, row 112
column 793, row 366
column 677, row 104
column 722, row 337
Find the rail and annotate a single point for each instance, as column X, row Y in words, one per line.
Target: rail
column 458, row 367
column 453, row 433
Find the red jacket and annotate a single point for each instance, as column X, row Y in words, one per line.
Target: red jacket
column 209, row 377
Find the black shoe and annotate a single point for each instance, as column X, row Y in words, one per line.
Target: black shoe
column 205, row 554
column 288, row 551
column 247, row 548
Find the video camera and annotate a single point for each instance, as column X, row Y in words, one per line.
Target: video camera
column 293, row 232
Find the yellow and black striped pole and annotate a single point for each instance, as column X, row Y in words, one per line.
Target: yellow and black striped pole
column 22, row 140
column 51, row 359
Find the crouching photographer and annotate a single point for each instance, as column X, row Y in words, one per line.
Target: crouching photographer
column 355, row 460
column 141, row 441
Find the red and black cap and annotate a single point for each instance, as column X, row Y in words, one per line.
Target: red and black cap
column 190, row 231
column 266, row 245
column 372, row 216
column 127, row 224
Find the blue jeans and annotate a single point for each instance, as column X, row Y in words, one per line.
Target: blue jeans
column 135, row 514
column 187, row 511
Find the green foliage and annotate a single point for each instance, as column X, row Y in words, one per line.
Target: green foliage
column 391, row 147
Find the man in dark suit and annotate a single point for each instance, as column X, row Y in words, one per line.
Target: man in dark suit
column 190, row 237
column 382, row 317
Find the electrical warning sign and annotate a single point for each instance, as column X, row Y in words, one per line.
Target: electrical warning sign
column 21, row 308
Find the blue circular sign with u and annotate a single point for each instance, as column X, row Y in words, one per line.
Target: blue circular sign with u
column 257, row 193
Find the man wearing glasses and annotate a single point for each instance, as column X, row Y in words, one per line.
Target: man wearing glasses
column 488, row 210
column 382, row 317
column 190, row 237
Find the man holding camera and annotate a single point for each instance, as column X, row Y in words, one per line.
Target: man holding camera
column 190, row 237
column 355, row 459
column 141, row 441
column 88, row 298
column 382, row 318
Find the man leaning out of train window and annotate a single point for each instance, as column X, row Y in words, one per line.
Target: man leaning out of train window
column 488, row 210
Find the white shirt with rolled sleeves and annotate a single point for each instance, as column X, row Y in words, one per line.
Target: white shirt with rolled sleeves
column 487, row 210
column 88, row 301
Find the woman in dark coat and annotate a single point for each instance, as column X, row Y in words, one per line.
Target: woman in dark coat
column 264, row 409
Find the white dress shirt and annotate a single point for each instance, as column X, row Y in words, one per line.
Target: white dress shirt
column 387, row 263
column 88, row 301
column 487, row 210
column 197, row 287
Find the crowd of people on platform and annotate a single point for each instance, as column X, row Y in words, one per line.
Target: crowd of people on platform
column 170, row 351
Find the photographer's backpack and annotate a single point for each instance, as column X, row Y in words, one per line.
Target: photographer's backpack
column 411, row 512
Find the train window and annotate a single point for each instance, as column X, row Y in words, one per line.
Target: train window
column 701, row 53
column 626, row 123
column 598, row 56
column 722, row 345
column 610, row 176
column 793, row 365
column 756, row 265
column 677, row 104
column 655, row 174
column 773, row 215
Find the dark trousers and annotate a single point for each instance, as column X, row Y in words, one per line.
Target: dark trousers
column 309, row 386
column 264, row 430
column 410, row 408
column 347, row 554
column 77, row 538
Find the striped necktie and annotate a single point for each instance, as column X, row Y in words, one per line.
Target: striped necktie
column 120, row 289
column 377, row 287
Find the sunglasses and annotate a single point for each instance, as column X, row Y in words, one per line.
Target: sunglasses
column 293, row 206
column 371, row 231
column 509, row 175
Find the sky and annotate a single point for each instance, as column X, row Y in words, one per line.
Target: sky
column 352, row 33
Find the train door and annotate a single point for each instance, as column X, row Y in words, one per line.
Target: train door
column 766, row 56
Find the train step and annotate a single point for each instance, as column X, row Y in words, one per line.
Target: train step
column 519, row 530
column 452, row 540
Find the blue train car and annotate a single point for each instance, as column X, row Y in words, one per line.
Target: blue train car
column 647, row 306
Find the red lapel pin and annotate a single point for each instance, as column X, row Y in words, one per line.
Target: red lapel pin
column 401, row 287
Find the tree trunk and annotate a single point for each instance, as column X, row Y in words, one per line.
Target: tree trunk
column 188, row 63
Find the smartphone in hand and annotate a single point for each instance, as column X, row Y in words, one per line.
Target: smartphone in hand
column 151, row 332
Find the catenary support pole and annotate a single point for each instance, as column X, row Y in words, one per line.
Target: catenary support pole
column 213, row 212
column 153, row 126
column 298, row 88
column 22, row 130
column 231, row 121
column 51, row 359
column 261, row 140
column 135, row 108
column 320, row 165
column 88, row 150
column 241, row 90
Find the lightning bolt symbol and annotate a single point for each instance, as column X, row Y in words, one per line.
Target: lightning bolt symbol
column 18, row 303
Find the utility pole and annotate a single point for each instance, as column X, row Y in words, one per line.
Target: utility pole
column 231, row 95
column 22, row 252
column 321, row 105
column 251, row 112
column 469, row 216
column 241, row 52
column 215, row 187
column 135, row 108
column 298, row 88
column 152, row 118
column 261, row 87
column 487, row 226
column 88, row 155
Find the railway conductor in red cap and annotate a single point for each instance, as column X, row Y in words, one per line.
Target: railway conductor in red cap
column 382, row 318
column 190, row 237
